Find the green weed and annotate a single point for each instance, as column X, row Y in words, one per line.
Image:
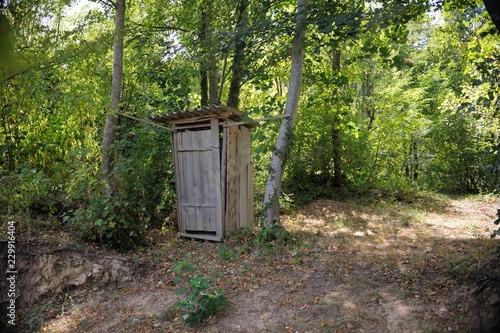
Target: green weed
column 201, row 299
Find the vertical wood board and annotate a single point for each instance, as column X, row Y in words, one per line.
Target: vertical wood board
column 232, row 187
column 223, row 178
column 177, row 172
column 246, row 186
column 214, row 176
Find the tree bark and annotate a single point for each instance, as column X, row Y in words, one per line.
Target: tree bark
column 213, row 82
column 239, row 55
column 270, row 210
column 202, row 36
column 336, row 143
column 116, row 92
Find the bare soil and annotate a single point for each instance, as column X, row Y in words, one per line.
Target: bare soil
column 422, row 264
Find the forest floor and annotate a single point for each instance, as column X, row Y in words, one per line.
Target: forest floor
column 354, row 265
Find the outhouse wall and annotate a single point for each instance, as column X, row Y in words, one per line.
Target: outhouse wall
column 238, row 170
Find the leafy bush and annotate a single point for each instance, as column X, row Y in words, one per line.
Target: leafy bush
column 144, row 171
column 109, row 221
column 28, row 188
column 201, row 298
column 145, row 190
column 274, row 238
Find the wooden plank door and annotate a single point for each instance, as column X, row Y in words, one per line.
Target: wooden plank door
column 198, row 183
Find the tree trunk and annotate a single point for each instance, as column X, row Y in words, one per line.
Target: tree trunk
column 270, row 210
column 239, row 55
column 202, row 37
column 366, row 91
column 213, row 82
column 116, row 91
column 203, row 86
column 336, row 143
column 415, row 161
column 412, row 163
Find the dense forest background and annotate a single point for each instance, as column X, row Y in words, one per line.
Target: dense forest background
column 397, row 96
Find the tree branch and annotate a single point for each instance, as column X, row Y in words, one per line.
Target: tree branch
column 161, row 27
column 108, row 3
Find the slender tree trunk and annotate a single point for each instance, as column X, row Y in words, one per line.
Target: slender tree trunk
column 239, row 55
column 213, row 82
column 202, row 36
column 116, row 91
column 367, row 90
column 270, row 210
column 415, row 161
column 336, row 143
column 222, row 77
column 412, row 162
column 204, row 86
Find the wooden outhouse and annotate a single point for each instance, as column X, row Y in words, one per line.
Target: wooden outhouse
column 213, row 170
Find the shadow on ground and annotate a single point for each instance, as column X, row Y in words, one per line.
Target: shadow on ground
column 345, row 266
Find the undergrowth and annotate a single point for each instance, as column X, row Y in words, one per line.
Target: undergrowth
column 201, row 299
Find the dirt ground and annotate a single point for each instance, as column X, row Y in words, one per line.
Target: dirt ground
column 358, row 265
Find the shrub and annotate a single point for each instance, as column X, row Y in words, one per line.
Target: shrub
column 201, row 298
column 110, row 221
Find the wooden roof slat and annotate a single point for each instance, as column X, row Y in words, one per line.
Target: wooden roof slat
column 205, row 112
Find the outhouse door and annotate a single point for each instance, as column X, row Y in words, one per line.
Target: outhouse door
column 198, row 182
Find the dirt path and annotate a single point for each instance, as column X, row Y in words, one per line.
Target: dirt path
column 353, row 266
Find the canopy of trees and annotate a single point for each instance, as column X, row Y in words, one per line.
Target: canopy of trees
column 395, row 96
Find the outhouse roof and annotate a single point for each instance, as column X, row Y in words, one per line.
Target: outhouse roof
column 197, row 114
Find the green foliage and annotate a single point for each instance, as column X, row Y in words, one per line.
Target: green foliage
column 461, row 157
column 145, row 196
column 226, row 253
column 201, row 298
column 110, row 221
column 29, row 189
column 456, row 266
column 274, row 238
column 144, row 172
column 36, row 317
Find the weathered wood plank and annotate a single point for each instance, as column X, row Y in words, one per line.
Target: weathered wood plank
column 195, row 204
column 214, row 176
column 250, row 193
column 244, row 160
column 200, row 125
column 195, row 149
column 195, row 173
column 222, row 115
column 232, row 187
column 178, row 177
column 186, row 159
column 223, row 178
column 210, row 192
column 241, row 179
column 215, row 238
